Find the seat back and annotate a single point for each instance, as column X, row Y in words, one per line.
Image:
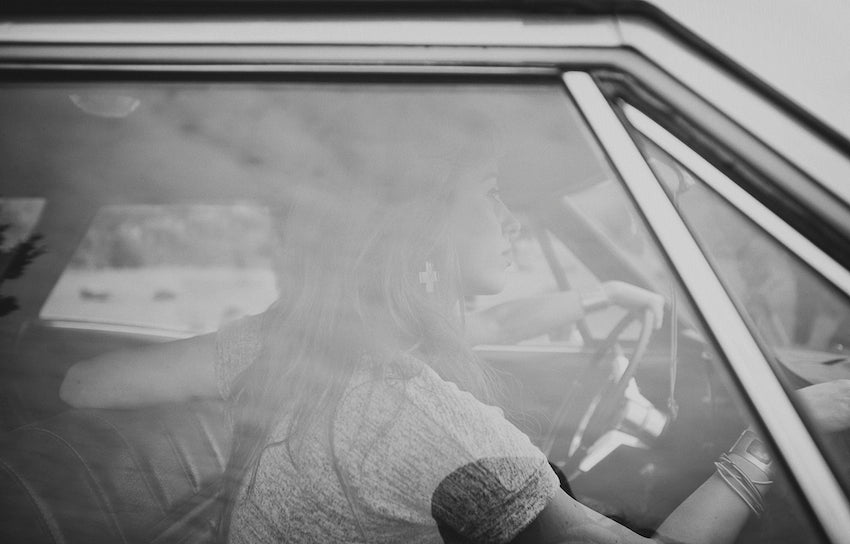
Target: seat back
column 88, row 476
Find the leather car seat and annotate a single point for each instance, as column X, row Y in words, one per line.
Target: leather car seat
column 117, row 476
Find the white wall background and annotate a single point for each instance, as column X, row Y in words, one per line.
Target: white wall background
column 801, row 47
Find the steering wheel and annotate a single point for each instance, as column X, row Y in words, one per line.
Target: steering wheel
column 599, row 395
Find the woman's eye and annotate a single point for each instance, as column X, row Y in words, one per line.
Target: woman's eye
column 494, row 193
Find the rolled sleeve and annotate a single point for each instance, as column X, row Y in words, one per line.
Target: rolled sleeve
column 438, row 456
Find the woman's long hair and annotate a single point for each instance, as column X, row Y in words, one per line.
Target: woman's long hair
column 350, row 255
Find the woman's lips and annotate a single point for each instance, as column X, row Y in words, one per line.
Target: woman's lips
column 509, row 260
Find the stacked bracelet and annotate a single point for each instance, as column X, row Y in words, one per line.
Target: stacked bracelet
column 740, row 483
column 745, row 465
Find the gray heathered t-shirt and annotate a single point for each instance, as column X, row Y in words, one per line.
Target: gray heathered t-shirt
column 408, row 450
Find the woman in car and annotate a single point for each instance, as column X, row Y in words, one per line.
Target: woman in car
column 360, row 413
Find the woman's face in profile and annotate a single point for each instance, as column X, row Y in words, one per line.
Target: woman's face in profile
column 482, row 228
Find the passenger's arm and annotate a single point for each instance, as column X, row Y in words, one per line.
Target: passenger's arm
column 174, row 371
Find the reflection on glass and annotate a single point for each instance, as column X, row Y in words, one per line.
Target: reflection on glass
column 186, row 269
column 19, row 244
column 319, row 194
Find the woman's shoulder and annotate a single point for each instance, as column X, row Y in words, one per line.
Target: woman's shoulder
column 403, row 378
column 245, row 330
column 411, row 398
column 424, row 438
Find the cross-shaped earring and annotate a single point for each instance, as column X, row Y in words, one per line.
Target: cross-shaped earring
column 429, row 277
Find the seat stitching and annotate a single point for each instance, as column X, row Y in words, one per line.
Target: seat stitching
column 102, row 496
column 180, row 461
column 139, row 465
column 39, row 504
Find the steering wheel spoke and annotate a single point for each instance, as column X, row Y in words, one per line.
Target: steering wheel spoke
column 612, row 410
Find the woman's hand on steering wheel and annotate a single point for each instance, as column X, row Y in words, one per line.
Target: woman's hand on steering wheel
column 633, row 297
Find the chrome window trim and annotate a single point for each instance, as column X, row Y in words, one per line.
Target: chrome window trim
column 307, row 68
column 806, row 150
column 287, row 58
column 312, row 44
column 548, row 31
column 740, row 199
column 796, row 446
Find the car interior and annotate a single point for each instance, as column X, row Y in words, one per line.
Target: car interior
column 138, row 212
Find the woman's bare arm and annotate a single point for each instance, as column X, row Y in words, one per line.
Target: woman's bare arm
column 174, row 371
column 713, row 514
column 524, row 318
column 529, row 317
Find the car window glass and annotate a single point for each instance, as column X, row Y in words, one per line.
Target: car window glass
column 182, row 269
column 18, row 219
column 19, row 243
column 164, row 202
column 801, row 318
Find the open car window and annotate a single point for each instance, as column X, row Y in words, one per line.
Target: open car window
column 164, row 201
column 801, row 318
column 181, row 269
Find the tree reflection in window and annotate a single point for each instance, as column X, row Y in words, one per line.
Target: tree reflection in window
column 19, row 246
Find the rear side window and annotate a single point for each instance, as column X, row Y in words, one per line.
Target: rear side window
column 182, row 268
column 19, row 243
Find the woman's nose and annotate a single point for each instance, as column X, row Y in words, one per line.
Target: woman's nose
column 510, row 224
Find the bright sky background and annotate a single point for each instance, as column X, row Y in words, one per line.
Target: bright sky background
column 801, row 47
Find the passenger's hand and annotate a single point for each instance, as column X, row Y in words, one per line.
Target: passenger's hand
column 828, row 404
column 633, row 297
